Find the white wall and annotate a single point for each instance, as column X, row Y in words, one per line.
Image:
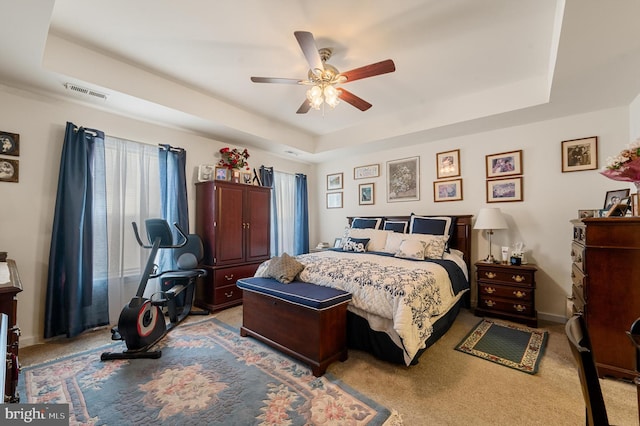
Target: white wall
column 541, row 221
column 551, row 198
column 26, row 216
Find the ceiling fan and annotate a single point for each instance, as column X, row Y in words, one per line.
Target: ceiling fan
column 323, row 78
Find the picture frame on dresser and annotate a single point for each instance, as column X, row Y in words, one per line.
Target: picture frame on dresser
column 613, row 197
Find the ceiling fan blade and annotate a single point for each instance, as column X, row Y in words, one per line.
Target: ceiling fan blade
column 352, row 99
column 304, row 108
column 275, row 80
column 308, row 45
column 370, row 70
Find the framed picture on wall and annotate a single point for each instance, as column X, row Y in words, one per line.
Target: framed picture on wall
column 334, row 181
column 504, row 164
column 9, row 170
column 9, row 143
column 364, row 172
column 366, row 194
column 448, row 164
column 334, row 200
column 447, row 190
column 504, row 190
column 403, row 180
column 580, row 154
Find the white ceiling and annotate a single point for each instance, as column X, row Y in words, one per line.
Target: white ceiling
column 461, row 65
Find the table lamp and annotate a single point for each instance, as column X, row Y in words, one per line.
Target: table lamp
column 490, row 218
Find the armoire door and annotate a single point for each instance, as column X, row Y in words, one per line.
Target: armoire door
column 229, row 224
column 257, row 213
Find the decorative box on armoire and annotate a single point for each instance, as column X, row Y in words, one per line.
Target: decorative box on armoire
column 606, row 288
column 233, row 220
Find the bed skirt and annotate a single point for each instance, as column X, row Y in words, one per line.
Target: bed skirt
column 378, row 343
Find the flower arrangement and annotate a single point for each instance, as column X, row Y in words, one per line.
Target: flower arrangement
column 234, row 158
column 626, row 165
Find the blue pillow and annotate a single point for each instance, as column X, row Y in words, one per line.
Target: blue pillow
column 399, row 226
column 359, row 245
column 433, row 225
column 366, row 223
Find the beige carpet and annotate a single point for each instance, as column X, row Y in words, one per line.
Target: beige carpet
column 447, row 387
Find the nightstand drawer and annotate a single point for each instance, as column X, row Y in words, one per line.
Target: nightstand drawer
column 510, row 306
column 505, row 292
column 520, row 277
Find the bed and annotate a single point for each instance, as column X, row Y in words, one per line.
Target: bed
column 408, row 275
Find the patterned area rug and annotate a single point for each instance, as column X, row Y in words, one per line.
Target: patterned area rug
column 514, row 346
column 207, row 374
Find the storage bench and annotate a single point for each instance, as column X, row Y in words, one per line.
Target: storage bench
column 303, row 320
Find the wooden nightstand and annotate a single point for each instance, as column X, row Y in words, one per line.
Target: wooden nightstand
column 507, row 292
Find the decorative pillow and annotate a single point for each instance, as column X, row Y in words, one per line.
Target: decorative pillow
column 436, row 246
column 411, row 249
column 358, row 245
column 284, row 268
column 395, row 226
column 377, row 237
column 394, row 240
column 366, row 222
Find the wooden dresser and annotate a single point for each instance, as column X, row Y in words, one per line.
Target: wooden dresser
column 507, row 292
column 233, row 220
column 9, row 305
column 606, row 288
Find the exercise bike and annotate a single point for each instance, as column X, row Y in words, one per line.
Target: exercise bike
column 142, row 324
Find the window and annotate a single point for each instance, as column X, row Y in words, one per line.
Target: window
column 133, row 195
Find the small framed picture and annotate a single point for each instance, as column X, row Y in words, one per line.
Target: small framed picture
column 447, row 190
column 366, row 194
column 334, row 181
column 448, row 164
column 403, row 180
column 504, row 164
column 583, row 214
column 334, row 200
column 9, row 170
column 580, row 154
column 247, row 178
column 235, row 176
column 614, row 197
column 337, row 243
column 9, row 143
column 222, row 173
column 620, row 208
column 504, row 190
column 364, row 172
column 206, row 172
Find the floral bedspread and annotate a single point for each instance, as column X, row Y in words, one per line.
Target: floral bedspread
column 406, row 292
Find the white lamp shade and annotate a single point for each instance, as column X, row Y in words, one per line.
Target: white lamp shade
column 490, row 218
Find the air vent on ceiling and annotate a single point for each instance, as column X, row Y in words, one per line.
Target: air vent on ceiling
column 85, row 91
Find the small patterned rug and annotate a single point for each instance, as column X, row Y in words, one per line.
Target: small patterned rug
column 518, row 347
column 207, row 374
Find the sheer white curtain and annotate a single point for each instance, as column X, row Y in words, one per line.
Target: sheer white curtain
column 283, row 213
column 133, row 195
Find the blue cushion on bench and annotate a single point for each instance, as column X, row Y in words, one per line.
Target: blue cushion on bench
column 306, row 294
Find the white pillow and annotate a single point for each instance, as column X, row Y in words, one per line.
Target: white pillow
column 411, row 249
column 394, row 240
column 377, row 237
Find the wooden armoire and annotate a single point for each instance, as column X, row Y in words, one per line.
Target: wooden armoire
column 233, row 220
column 606, row 288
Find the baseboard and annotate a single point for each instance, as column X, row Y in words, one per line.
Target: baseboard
column 560, row 319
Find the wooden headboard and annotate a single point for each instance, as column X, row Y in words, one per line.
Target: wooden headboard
column 460, row 239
